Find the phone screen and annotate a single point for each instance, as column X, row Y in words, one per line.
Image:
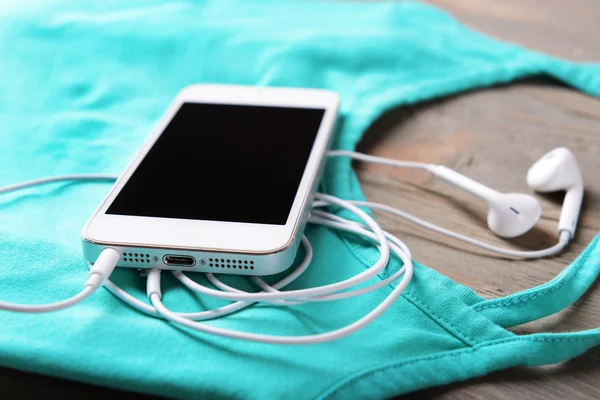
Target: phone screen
column 220, row 162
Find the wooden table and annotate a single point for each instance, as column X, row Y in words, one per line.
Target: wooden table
column 492, row 135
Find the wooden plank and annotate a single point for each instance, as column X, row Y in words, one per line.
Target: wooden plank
column 567, row 29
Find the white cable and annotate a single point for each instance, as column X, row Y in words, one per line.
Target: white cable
column 101, row 270
column 432, row 168
column 219, row 312
column 315, row 219
column 369, row 229
column 339, row 219
column 39, row 308
column 383, row 161
column 557, row 248
column 61, row 178
column 154, row 294
column 321, row 290
column 563, row 239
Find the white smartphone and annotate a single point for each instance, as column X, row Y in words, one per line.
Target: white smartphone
column 223, row 184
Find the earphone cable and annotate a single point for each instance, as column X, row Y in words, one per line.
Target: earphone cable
column 385, row 242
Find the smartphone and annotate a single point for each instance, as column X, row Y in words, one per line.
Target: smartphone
column 223, row 184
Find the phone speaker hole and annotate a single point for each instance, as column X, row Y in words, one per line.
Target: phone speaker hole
column 137, row 257
column 230, row 263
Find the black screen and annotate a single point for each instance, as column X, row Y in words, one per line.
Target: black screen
column 223, row 163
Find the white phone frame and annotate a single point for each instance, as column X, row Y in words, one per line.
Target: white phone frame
column 121, row 231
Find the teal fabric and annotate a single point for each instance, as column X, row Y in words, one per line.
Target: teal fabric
column 81, row 84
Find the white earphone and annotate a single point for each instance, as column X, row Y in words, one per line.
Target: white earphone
column 558, row 170
column 510, row 215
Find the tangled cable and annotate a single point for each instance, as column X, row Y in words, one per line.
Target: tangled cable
column 386, row 243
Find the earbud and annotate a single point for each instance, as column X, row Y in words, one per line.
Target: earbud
column 558, row 170
column 509, row 215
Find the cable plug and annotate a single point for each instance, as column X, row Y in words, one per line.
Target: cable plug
column 103, row 267
column 153, row 283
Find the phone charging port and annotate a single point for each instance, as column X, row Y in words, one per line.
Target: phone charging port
column 179, row 261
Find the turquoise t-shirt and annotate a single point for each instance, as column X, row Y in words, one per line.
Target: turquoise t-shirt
column 81, row 85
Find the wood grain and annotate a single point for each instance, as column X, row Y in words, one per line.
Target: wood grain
column 567, row 29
